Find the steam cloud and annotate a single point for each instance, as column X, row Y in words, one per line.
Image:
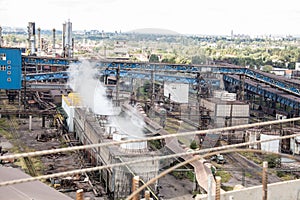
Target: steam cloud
column 82, row 79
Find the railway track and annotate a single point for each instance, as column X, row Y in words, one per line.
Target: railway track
column 13, row 130
column 248, row 166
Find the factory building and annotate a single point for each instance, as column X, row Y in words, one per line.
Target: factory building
column 226, row 110
column 89, row 128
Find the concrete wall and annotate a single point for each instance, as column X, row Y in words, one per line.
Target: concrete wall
column 70, row 112
column 220, row 110
column 179, row 92
column 277, row 191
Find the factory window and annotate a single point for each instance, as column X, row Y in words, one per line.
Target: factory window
column 8, row 67
column 2, row 56
column 2, row 67
column 8, row 72
column 8, row 62
column 8, row 79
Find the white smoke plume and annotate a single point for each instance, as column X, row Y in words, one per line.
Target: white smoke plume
column 82, row 79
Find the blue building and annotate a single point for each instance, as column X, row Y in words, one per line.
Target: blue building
column 10, row 68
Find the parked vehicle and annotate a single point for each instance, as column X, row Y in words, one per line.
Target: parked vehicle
column 219, row 158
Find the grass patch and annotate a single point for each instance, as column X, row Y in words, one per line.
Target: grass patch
column 252, row 156
column 225, row 176
column 38, row 165
column 184, row 175
column 284, row 175
column 248, row 175
column 4, row 131
column 227, row 188
column 6, row 134
column 287, row 177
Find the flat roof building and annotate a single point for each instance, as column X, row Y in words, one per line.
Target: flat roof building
column 30, row 190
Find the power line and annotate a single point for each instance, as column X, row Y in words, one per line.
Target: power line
column 203, row 151
column 201, row 132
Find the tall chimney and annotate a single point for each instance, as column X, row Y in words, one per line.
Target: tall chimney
column 31, row 37
column 39, row 41
column 63, row 40
column 53, row 47
column 67, row 40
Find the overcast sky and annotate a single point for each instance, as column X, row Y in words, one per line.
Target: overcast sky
column 217, row 17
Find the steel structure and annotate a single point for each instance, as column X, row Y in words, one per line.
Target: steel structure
column 266, row 91
column 127, row 68
column 46, row 76
column 179, row 73
column 37, row 60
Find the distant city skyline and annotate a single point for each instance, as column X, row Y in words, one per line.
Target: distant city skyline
column 208, row 17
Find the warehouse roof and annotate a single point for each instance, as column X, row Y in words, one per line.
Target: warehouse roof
column 31, row 190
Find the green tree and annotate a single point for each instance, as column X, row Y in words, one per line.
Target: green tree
column 273, row 160
column 154, row 58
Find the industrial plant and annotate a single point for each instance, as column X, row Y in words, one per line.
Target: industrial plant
column 103, row 127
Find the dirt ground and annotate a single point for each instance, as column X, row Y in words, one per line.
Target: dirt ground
column 175, row 189
column 48, row 164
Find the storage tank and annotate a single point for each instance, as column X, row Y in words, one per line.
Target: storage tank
column 129, row 147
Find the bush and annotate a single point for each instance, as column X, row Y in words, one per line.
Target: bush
column 193, row 145
column 273, row 161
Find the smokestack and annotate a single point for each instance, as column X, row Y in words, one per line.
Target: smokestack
column 39, row 41
column 67, row 40
column 31, row 37
column 63, row 40
column 53, row 47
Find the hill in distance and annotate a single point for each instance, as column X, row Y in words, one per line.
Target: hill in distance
column 156, row 31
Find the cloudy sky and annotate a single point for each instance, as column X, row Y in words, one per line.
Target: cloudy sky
column 217, row 17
